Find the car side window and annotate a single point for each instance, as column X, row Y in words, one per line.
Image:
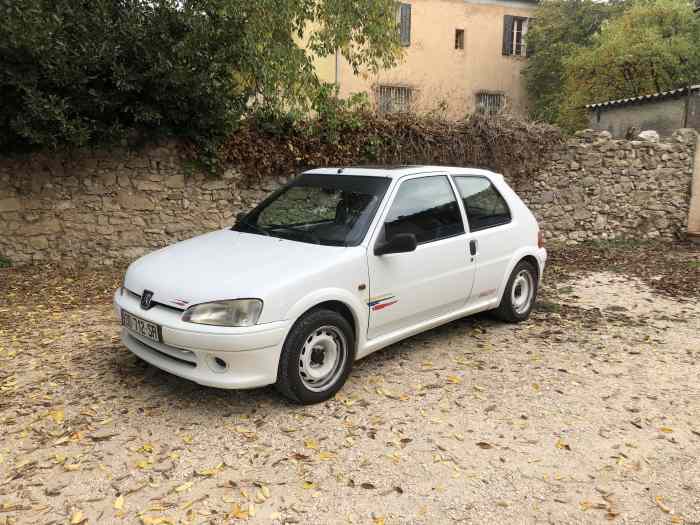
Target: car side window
column 485, row 207
column 426, row 207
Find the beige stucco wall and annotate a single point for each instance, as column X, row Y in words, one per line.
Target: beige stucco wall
column 439, row 72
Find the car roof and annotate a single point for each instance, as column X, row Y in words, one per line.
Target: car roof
column 397, row 171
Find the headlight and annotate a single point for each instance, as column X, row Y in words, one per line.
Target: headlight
column 239, row 312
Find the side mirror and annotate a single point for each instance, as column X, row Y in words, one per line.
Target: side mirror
column 399, row 243
column 240, row 216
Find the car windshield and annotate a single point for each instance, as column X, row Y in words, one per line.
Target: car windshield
column 334, row 210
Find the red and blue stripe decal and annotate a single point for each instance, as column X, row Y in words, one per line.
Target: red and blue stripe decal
column 381, row 302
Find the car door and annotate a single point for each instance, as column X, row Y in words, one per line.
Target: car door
column 436, row 278
column 493, row 236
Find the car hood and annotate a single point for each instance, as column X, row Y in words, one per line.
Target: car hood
column 225, row 264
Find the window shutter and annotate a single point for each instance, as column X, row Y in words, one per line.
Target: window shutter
column 508, row 22
column 405, row 18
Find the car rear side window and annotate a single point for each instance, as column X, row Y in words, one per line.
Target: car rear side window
column 485, row 207
column 426, row 207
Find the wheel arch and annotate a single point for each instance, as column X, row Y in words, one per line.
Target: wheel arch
column 534, row 262
column 524, row 254
column 340, row 301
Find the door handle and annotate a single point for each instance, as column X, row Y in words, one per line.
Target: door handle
column 472, row 247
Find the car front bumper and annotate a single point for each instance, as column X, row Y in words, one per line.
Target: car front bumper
column 222, row 357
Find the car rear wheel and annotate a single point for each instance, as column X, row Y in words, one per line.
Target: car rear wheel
column 519, row 295
column 317, row 357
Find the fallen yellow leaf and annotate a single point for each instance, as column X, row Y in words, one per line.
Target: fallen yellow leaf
column 311, row 443
column 325, row 456
column 238, row 513
column 144, row 464
column 119, row 503
column 57, row 415
column 454, row 379
column 184, row 486
column 77, row 517
column 155, row 520
column 560, row 444
column 309, row 485
column 660, row 503
column 667, row 430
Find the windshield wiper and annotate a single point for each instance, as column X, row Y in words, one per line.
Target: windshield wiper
column 309, row 235
column 333, row 242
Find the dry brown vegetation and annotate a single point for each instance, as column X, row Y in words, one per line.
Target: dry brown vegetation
column 503, row 143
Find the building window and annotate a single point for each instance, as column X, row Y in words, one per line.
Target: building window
column 395, row 99
column 405, row 24
column 490, row 103
column 459, row 39
column 514, row 31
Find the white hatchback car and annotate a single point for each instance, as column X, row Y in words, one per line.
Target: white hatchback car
column 333, row 266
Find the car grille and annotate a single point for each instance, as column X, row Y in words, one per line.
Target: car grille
column 154, row 303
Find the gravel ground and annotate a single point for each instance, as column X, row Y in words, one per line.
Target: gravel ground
column 587, row 413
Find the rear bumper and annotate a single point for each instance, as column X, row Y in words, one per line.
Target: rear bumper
column 220, row 357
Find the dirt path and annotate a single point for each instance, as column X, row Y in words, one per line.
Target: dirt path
column 589, row 412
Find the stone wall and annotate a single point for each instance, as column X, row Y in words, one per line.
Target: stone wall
column 98, row 208
column 102, row 207
column 594, row 187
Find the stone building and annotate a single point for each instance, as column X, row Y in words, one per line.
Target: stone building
column 459, row 56
column 663, row 112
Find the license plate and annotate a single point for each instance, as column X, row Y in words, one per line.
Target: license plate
column 141, row 327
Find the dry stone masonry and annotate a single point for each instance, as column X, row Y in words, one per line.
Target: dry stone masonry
column 594, row 187
column 98, row 208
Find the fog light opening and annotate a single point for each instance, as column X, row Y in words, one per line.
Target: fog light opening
column 220, row 363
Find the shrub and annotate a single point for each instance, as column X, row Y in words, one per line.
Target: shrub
column 105, row 71
column 98, row 72
column 352, row 136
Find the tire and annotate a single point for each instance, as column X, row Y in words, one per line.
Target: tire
column 316, row 358
column 519, row 295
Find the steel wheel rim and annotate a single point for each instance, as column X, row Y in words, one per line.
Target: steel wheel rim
column 322, row 358
column 522, row 291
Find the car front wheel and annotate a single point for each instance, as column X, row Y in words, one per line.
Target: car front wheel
column 519, row 295
column 316, row 358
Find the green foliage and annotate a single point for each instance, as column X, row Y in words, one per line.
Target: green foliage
column 560, row 29
column 335, row 115
column 114, row 71
column 105, row 71
column 4, row 262
column 653, row 46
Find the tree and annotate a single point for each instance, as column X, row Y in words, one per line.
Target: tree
column 560, row 29
column 653, row 46
column 77, row 73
